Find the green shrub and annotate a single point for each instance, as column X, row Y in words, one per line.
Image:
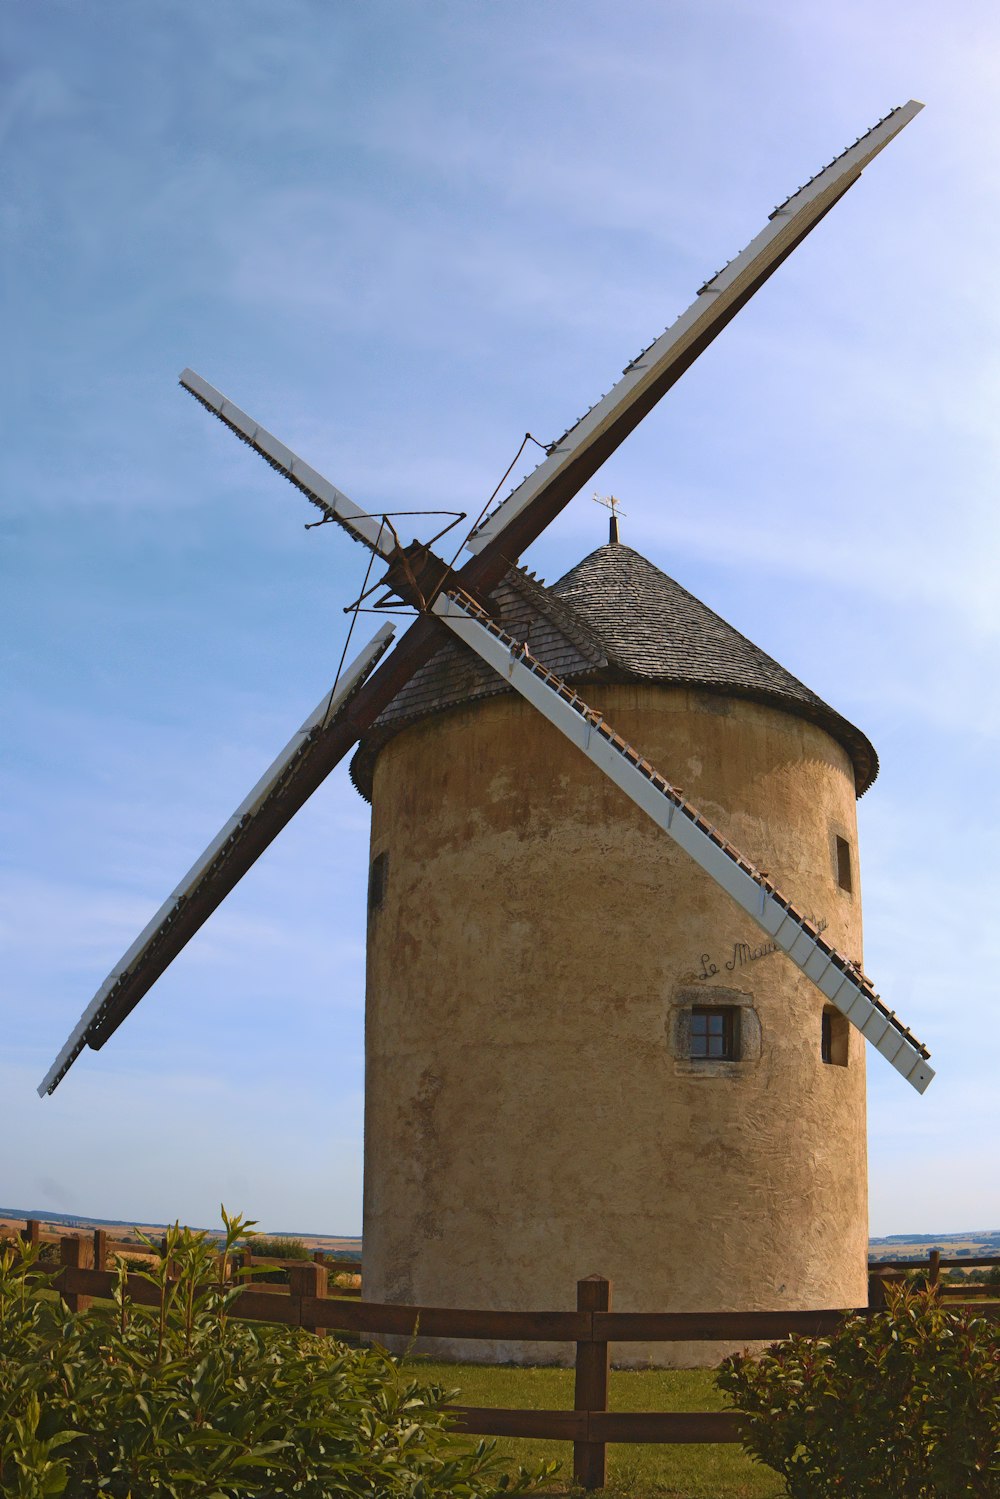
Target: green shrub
column 181, row 1400
column 133, row 1263
column 340, row 1280
column 919, row 1280
column 279, row 1249
column 275, row 1248
column 47, row 1253
column 905, row 1402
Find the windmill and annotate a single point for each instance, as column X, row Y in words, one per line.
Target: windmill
column 458, row 602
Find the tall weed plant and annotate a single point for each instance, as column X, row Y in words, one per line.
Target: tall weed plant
column 903, row 1403
column 182, row 1400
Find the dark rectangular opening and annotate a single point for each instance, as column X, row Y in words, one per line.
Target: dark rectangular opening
column 834, row 1038
column 845, row 878
column 377, row 877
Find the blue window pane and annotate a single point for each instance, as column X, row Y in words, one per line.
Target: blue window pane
column 713, row 1034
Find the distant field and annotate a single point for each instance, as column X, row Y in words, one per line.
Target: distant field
column 918, row 1246
column 12, row 1221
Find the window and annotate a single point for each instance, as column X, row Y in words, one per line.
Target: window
column 844, row 876
column 377, row 876
column 712, row 1032
column 715, row 1033
column 833, row 1038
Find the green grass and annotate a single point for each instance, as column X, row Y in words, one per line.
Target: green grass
column 640, row 1471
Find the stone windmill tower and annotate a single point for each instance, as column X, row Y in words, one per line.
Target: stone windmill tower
column 605, row 1032
column 633, row 1081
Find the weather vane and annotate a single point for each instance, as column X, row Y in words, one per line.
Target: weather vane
column 612, row 502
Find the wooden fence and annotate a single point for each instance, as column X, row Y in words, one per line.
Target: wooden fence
column 932, row 1266
column 104, row 1247
column 593, row 1327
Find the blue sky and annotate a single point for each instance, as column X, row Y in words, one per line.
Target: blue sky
column 400, row 235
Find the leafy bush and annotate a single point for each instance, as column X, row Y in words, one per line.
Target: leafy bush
column 276, row 1248
column 279, row 1249
column 342, row 1280
column 133, row 1262
column 47, row 1253
column 905, row 1402
column 181, row 1400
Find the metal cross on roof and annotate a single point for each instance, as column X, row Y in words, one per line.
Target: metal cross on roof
column 612, row 502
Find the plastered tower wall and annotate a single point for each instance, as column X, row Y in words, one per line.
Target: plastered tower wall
column 535, row 946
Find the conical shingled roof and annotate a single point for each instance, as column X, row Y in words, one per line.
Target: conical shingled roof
column 653, row 629
column 613, row 618
column 455, row 675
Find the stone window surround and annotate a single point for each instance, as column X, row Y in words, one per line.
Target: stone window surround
column 678, row 1031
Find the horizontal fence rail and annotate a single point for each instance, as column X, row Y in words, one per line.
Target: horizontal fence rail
column 881, row 1271
column 935, row 1261
column 307, row 1303
column 105, row 1246
column 666, row 1427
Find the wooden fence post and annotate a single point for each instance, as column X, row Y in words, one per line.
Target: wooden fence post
column 307, row 1279
column 31, row 1233
column 934, row 1270
column 243, row 1260
column 76, row 1254
column 593, row 1363
column 100, row 1249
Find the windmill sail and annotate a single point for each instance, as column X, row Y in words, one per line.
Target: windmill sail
column 521, row 518
column 581, row 450
column 210, row 878
column 326, row 496
column 837, row 977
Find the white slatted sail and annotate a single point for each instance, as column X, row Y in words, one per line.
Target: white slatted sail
column 334, row 504
column 838, row 979
column 713, row 305
column 203, row 867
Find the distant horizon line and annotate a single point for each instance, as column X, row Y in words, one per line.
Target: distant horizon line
column 76, row 1219
column 49, row 1215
